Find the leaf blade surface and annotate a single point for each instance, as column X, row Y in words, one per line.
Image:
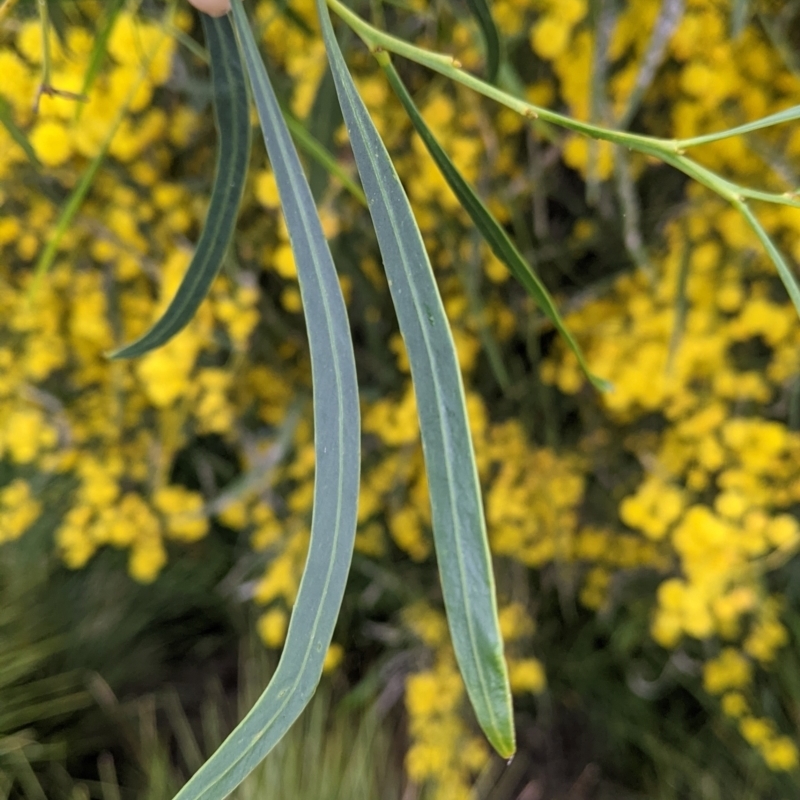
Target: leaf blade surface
column 337, row 452
column 457, row 509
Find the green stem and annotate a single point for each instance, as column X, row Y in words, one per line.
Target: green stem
column 787, row 115
column 668, row 150
column 784, row 271
column 44, row 19
column 75, row 200
column 450, row 67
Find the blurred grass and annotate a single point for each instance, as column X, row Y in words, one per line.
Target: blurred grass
column 335, row 751
column 37, row 690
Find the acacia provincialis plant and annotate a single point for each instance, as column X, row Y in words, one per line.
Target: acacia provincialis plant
column 459, row 528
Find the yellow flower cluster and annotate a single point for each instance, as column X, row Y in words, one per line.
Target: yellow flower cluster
column 531, row 501
column 115, row 429
column 18, row 509
column 720, row 478
column 728, row 675
column 444, row 750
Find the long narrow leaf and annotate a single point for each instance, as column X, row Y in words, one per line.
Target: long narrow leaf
column 458, row 520
column 483, row 15
column 491, row 230
column 231, row 111
column 337, row 448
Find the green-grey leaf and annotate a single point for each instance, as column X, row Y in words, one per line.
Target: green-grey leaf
column 491, row 230
column 232, row 114
column 483, row 15
column 337, row 448
column 458, row 520
column 740, row 15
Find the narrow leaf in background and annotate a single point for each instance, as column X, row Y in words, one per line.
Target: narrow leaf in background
column 16, row 133
column 337, row 453
column 458, row 520
column 99, row 48
column 491, row 230
column 483, row 15
column 232, row 115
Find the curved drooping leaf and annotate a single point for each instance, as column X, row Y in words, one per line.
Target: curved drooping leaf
column 491, row 230
column 337, row 449
column 458, row 520
column 232, row 115
column 483, row 15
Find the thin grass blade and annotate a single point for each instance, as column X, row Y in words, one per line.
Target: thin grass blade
column 491, row 230
column 232, row 114
column 458, row 519
column 337, row 448
column 483, row 16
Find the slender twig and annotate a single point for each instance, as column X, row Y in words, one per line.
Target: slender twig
column 605, row 17
column 670, row 151
column 631, row 212
column 45, row 87
column 450, row 67
column 669, row 17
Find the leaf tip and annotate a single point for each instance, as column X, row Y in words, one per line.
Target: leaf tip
column 127, row 351
column 504, row 742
